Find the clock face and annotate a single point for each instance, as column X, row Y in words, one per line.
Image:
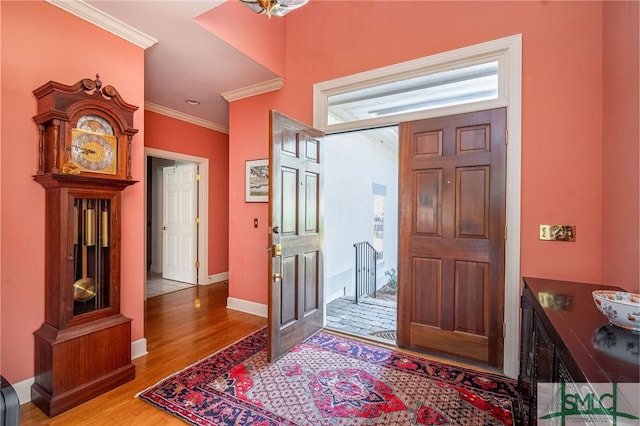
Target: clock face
column 94, row 152
column 94, row 124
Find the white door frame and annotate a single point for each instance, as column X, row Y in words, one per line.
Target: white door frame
column 510, row 49
column 203, row 203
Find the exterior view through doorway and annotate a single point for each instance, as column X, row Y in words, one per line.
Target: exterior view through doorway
column 451, row 251
column 361, row 233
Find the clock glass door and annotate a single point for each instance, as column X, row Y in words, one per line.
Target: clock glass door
column 91, row 278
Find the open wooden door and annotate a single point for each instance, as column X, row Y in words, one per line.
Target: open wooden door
column 296, row 299
column 452, row 235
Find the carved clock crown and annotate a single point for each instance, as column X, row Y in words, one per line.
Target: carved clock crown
column 85, row 128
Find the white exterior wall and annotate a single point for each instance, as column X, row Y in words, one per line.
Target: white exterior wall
column 352, row 165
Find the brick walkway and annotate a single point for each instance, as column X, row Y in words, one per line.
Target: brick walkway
column 371, row 318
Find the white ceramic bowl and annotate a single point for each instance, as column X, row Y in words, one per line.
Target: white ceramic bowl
column 621, row 308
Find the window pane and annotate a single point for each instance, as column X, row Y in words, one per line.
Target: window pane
column 435, row 90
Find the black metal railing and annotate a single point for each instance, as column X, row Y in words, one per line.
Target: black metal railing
column 366, row 274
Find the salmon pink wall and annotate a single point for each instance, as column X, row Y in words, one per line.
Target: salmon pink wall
column 561, row 112
column 264, row 42
column 169, row 134
column 247, row 244
column 621, row 192
column 40, row 42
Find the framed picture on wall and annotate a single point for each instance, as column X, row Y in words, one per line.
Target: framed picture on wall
column 257, row 181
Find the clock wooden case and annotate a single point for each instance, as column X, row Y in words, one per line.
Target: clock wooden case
column 83, row 348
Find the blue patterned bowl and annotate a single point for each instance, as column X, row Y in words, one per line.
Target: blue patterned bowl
column 620, row 308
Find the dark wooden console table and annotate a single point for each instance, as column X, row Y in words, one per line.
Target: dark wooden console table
column 559, row 329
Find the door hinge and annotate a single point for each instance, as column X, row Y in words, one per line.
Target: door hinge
column 197, row 264
column 197, row 220
column 197, row 176
column 506, row 228
column 504, row 330
column 506, row 136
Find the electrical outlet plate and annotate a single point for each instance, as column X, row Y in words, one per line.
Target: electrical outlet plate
column 557, row 233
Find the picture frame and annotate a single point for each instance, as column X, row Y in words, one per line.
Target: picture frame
column 257, row 181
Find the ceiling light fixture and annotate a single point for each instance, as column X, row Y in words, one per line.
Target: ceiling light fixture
column 274, row 7
column 192, row 102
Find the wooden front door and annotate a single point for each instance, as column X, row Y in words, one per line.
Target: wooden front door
column 452, row 235
column 296, row 299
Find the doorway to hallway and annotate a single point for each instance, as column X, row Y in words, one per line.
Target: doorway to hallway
column 157, row 161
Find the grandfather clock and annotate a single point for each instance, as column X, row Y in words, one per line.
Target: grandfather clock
column 83, row 348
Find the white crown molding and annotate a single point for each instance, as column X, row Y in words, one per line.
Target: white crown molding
column 107, row 22
column 185, row 117
column 256, row 89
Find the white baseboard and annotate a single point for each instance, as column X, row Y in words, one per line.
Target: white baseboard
column 247, row 306
column 139, row 348
column 23, row 388
column 216, row 278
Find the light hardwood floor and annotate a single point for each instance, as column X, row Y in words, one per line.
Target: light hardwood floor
column 178, row 334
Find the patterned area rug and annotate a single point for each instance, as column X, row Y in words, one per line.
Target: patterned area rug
column 330, row 380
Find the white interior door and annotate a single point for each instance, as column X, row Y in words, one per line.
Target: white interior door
column 180, row 207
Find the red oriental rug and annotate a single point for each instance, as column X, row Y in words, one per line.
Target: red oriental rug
column 331, row 380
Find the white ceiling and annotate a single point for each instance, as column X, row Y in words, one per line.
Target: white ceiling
column 184, row 61
column 187, row 62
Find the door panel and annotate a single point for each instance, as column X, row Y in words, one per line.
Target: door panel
column 311, row 296
column 295, row 264
column 311, row 202
column 472, row 201
column 427, row 272
column 428, row 203
column 289, row 313
column 452, row 205
column 471, row 290
column 180, row 236
column 289, row 201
